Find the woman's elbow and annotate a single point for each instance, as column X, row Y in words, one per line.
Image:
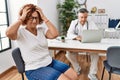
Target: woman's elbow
column 7, row 34
column 11, row 36
column 57, row 34
column 54, row 36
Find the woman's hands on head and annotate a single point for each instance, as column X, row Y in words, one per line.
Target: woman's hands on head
column 24, row 13
column 26, row 10
column 41, row 14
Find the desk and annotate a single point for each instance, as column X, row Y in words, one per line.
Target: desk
column 112, row 33
column 73, row 45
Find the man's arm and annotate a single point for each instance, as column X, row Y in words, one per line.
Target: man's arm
column 71, row 31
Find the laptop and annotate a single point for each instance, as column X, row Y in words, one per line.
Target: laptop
column 91, row 36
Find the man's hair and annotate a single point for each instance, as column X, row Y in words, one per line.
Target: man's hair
column 83, row 10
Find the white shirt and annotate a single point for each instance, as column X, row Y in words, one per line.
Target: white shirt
column 34, row 49
column 76, row 28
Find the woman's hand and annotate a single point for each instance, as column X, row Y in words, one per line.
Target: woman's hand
column 41, row 14
column 24, row 13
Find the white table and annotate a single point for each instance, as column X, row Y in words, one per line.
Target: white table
column 73, row 45
column 112, row 33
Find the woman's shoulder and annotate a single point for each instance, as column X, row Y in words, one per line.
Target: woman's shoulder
column 42, row 27
column 21, row 28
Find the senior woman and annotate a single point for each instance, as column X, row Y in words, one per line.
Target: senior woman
column 31, row 32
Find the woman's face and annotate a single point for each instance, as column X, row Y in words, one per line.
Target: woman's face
column 33, row 20
column 82, row 17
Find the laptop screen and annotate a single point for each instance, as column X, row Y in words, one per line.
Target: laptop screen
column 90, row 36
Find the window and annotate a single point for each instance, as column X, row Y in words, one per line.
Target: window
column 4, row 40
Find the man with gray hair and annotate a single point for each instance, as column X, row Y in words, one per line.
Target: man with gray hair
column 74, row 32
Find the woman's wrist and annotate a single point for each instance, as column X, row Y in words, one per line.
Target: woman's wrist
column 46, row 21
column 21, row 20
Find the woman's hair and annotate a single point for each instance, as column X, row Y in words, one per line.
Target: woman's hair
column 32, row 9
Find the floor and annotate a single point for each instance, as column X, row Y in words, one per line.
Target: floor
column 14, row 75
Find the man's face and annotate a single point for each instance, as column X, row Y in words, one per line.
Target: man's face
column 82, row 17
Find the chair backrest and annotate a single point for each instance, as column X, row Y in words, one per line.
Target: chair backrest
column 16, row 54
column 113, row 56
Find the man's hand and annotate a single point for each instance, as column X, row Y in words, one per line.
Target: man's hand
column 78, row 38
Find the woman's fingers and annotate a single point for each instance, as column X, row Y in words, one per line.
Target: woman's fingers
column 24, row 13
column 40, row 11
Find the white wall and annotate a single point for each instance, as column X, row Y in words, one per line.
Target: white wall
column 14, row 5
column 111, row 7
column 5, row 61
column 49, row 9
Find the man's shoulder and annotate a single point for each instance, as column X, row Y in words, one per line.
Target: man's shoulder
column 76, row 20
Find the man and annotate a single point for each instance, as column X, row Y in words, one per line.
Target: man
column 75, row 32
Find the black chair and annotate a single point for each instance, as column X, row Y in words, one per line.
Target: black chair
column 16, row 54
column 112, row 63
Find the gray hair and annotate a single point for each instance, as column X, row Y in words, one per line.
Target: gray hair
column 83, row 10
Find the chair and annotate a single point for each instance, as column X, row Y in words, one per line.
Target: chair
column 112, row 63
column 16, row 54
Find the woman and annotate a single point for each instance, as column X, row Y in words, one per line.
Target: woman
column 31, row 35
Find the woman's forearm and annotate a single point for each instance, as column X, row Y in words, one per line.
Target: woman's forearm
column 11, row 31
column 52, row 29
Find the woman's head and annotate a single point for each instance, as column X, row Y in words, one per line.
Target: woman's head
column 32, row 8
